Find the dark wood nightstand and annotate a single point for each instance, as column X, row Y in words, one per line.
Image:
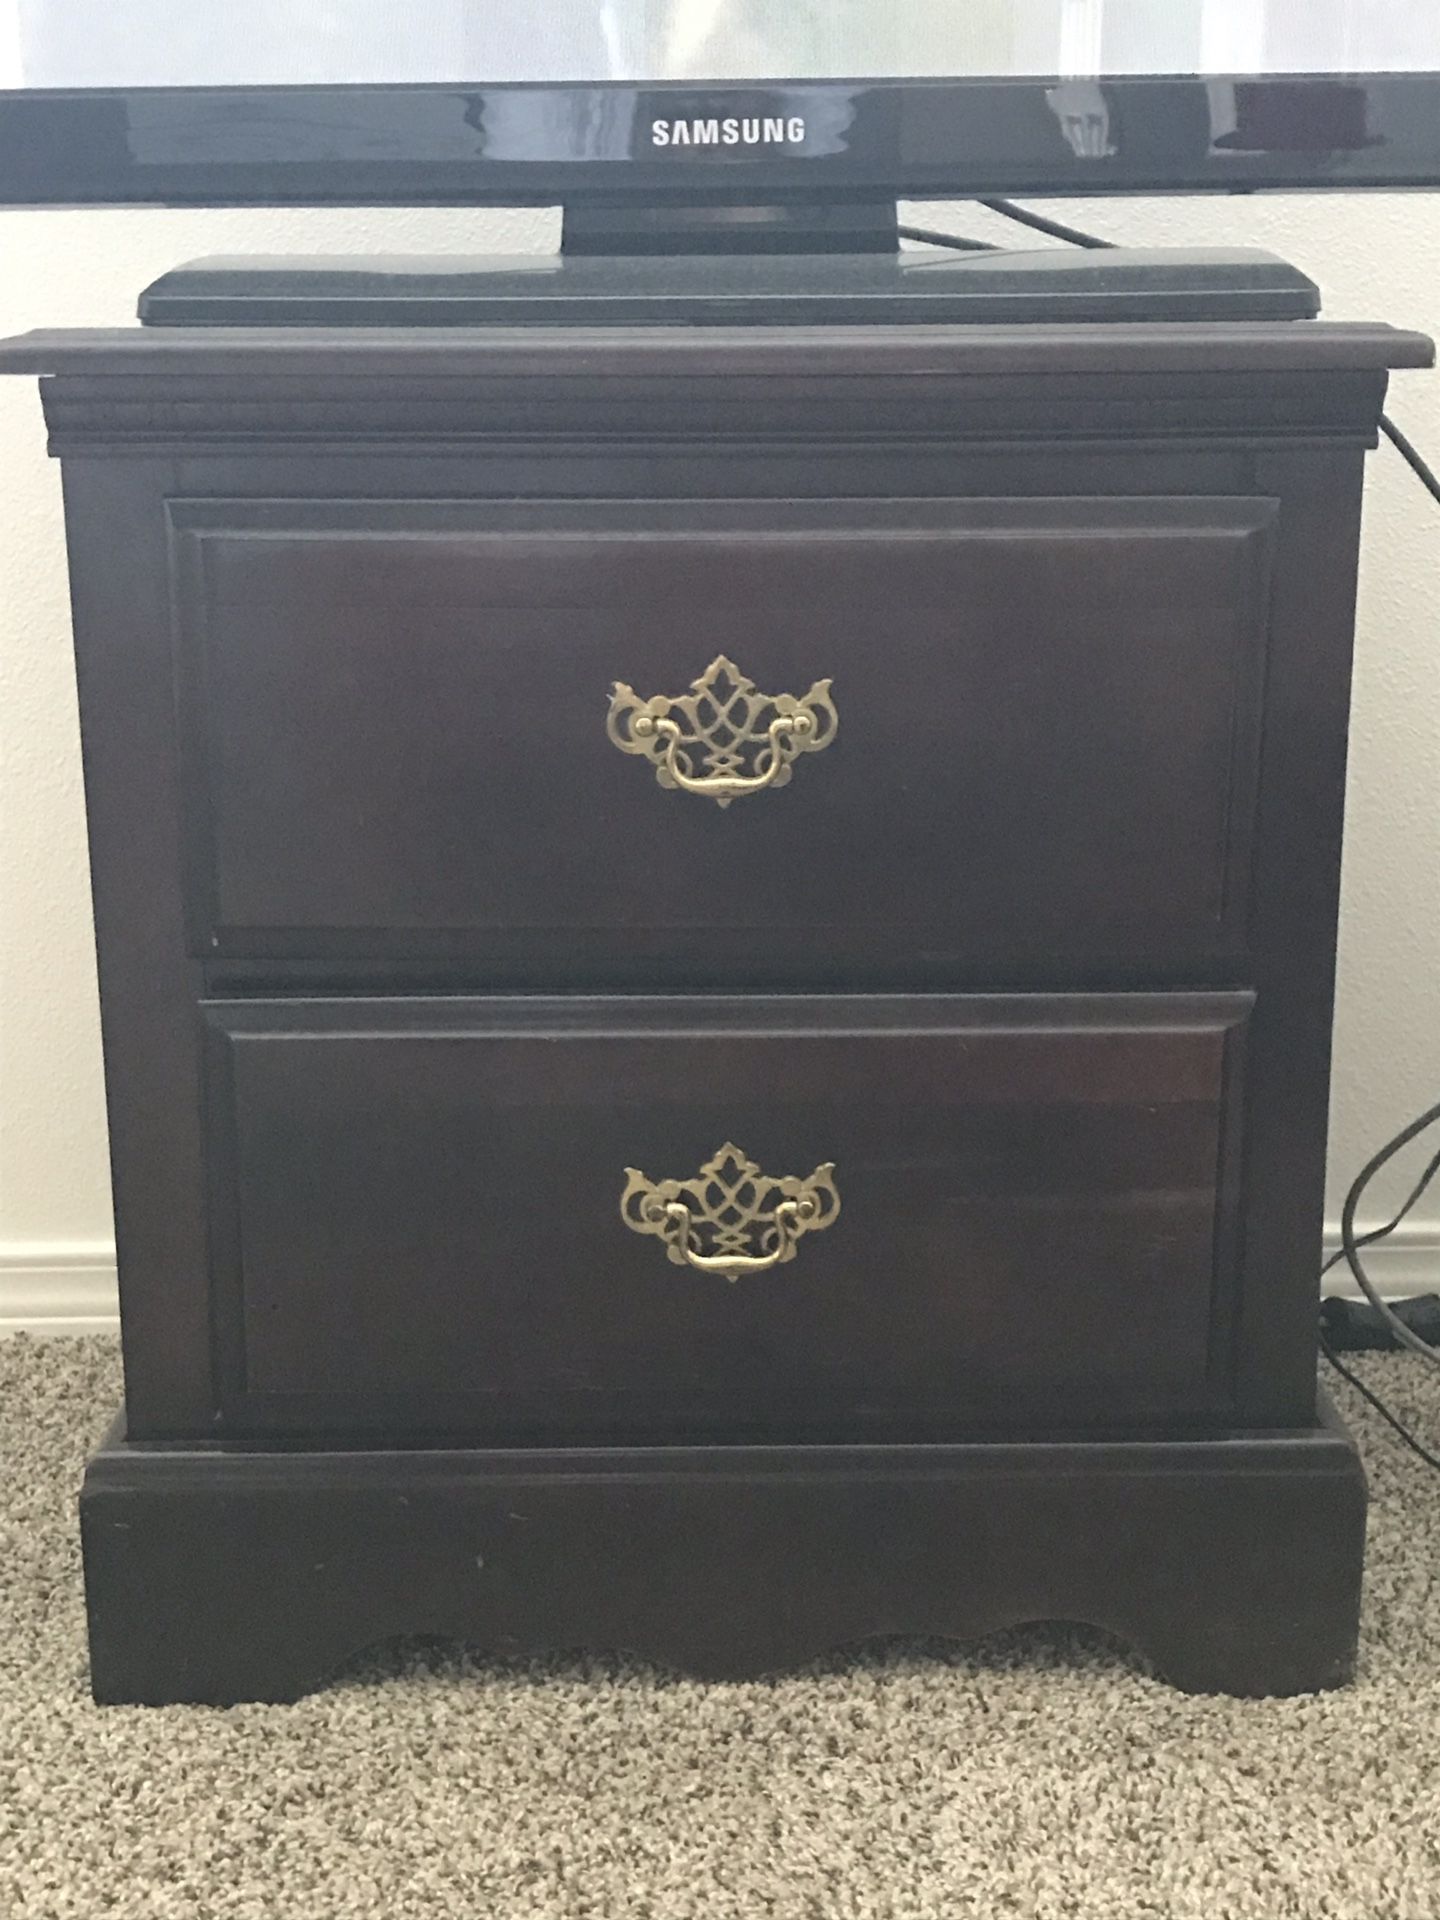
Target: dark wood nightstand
column 716, row 952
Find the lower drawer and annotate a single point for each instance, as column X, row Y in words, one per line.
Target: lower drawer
column 723, row 1219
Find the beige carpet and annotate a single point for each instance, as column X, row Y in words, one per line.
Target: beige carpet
column 1040, row 1775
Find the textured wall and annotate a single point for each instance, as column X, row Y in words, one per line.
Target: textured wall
column 1377, row 258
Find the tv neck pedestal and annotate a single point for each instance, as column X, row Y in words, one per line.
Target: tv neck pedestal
column 755, row 229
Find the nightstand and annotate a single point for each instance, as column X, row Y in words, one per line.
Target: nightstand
column 716, row 953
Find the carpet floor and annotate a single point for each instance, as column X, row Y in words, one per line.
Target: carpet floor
column 1041, row 1774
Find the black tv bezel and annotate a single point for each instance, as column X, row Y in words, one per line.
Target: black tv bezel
column 72, row 148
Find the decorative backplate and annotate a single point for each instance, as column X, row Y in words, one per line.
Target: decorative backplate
column 730, row 1218
column 724, row 739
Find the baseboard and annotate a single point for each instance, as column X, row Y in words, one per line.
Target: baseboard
column 1407, row 1263
column 51, row 1287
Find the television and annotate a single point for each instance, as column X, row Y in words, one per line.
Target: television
column 530, row 102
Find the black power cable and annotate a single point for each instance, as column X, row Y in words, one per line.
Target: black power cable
column 1038, row 223
column 1412, row 456
column 1350, row 1254
column 1350, row 1242
column 1416, row 1446
column 1077, row 237
column 955, row 240
column 1380, row 1233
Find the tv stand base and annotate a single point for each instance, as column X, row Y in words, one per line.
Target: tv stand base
column 652, row 287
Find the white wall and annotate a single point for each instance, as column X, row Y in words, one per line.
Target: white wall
column 1378, row 258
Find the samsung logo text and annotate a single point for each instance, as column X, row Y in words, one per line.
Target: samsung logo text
column 728, row 133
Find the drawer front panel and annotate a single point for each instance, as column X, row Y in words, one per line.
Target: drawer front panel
column 1007, row 730
column 899, row 1216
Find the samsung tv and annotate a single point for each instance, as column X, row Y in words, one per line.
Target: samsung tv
column 525, row 102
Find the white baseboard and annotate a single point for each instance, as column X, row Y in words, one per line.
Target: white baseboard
column 1407, row 1263
column 51, row 1287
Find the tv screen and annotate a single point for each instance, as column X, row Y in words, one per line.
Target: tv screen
column 527, row 100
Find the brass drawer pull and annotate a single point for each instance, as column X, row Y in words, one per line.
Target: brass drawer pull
column 751, row 1221
column 729, row 726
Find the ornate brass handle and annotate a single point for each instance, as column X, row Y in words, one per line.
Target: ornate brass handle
column 680, row 1235
column 728, row 726
column 751, row 1221
column 724, row 787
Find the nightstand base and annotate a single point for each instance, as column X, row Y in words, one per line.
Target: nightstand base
column 1233, row 1563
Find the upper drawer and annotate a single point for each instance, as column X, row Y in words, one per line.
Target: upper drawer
column 943, row 733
